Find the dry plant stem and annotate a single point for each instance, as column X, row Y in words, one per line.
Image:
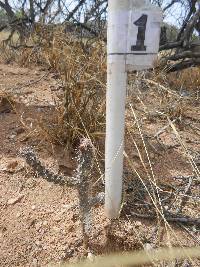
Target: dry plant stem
column 170, row 218
column 29, row 83
column 162, row 130
column 185, row 196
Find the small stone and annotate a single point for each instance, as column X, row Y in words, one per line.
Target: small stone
column 57, row 218
column 34, row 263
column 13, row 201
column 37, row 242
column 12, row 166
column 18, row 215
column 12, row 136
column 138, row 223
column 67, row 207
column 19, row 130
column 152, row 155
column 33, row 207
column 194, row 229
column 56, row 229
column 45, row 223
column 90, row 256
column 38, row 226
column 148, row 247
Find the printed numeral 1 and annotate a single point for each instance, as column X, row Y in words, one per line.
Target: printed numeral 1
column 141, row 23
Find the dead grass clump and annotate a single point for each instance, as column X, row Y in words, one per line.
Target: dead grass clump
column 185, row 80
column 81, row 65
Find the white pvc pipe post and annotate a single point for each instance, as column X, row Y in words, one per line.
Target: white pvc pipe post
column 115, row 117
column 132, row 44
column 116, row 94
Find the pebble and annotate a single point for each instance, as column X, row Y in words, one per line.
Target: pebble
column 67, row 207
column 34, row 263
column 90, row 256
column 148, row 247
column 19, row 130
column 12, row 136
column 18, row 215
column 138, row 223
column 56, row 229
column 57, row 218
column 45, row 223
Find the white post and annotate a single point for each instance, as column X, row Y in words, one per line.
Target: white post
column 133, row 42
column 115, row 115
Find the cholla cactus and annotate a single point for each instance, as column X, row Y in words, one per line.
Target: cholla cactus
column 81, row 181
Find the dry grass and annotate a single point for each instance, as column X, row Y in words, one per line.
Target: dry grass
column 154, row 100
column 81, row 65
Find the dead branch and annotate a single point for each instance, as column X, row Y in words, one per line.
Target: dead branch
column 170, row 45
column 185, row 195
column 184, row 65
column 71, row 14
column 185, row 22
column 170, row 218
column 183, row 55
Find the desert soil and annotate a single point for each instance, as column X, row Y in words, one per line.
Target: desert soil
column 39, row 221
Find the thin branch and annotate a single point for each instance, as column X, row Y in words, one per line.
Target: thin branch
column 186, row 54
column 184, row 65
column 170, row 45
column 170, row 218
column 170, row 4
column 71, row 14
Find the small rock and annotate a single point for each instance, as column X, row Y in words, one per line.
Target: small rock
column 57, row 218
column 186, row 263
column 90, row 256
column 18, row 215
column 194, row 229
column 68, row 253
column 12, row 136
column 33, row 207
column 45, row 223
column 148, row 247
column 67, row 207
column 11, row 167
column 34, row 263
column 13, row 201
column 38, row 226
column 38, row 243
column 56, row 229
column 2, row 230
column 19, row 130
column 152, row 155
column 138, row 223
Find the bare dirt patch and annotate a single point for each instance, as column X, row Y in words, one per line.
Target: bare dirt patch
column 40, row 221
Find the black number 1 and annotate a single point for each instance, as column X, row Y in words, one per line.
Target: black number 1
column 141, row 23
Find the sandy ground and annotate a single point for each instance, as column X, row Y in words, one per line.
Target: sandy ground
column 40, row 222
